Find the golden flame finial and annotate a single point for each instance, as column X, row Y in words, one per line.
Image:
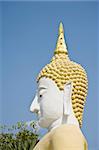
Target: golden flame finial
column 61, row 30
column 61, row 46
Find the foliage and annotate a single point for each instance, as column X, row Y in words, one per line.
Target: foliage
column 18, row 137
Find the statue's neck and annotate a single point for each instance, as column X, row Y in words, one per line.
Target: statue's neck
column 71, row 119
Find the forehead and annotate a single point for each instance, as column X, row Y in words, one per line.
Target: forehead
column 47, row 83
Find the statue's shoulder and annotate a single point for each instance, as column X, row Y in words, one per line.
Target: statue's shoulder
column 68, row 136
column 44, row 143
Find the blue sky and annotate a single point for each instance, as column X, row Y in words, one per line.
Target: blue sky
column 29, row 34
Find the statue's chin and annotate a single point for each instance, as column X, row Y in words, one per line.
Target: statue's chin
column 45, row 122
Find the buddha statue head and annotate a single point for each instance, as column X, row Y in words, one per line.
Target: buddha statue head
column 62, row 89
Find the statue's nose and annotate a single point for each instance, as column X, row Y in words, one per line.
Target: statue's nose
column 35, row 106
column 35, row 109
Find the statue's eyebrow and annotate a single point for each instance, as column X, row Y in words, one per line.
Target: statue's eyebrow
column 42, row 88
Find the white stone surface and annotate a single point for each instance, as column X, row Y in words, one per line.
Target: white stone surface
column 54, row 107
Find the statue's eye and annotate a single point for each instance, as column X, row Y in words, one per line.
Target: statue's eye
column 41, row 92
column 40, row 95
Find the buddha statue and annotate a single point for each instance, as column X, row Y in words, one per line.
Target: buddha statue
column 60, row 99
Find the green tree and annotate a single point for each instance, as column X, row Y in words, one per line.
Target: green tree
column 19, row 137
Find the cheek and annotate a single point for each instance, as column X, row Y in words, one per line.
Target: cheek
column 51, row 107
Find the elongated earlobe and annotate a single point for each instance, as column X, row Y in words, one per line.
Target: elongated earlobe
column 67, row 98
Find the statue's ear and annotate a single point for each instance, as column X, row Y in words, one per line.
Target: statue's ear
column 67, row 98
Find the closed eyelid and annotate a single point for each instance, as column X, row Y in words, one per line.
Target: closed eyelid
column 42, row 92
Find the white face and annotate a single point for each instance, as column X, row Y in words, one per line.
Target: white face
column 48, row 102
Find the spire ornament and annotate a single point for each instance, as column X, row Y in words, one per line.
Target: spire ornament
column 61, row 46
